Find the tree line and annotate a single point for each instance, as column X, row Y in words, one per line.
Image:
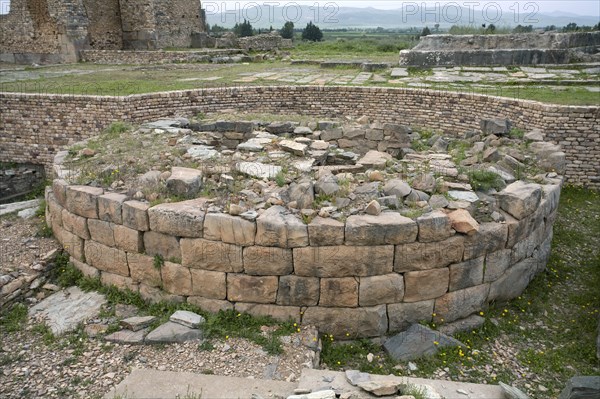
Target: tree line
column 310, row 33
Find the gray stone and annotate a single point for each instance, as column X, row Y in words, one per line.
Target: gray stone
column 202, row 152
column 399, row 73
column 582, row 387
column 293, row 147
column 280, row 127
column 495, row 126
column 303, row 131
column 512, row 392
column 375, row 159
column 390, row 201
column 438, row 201
column 258, row 169
column 128, row 337
column 137, row 323
column 417, row 341
column 424, row 182
column 387, row 228
column 187, row 319
column 64, row 310
column 355, row 377
column 303, row 193
column 327, row 185
column 172, row 332
column 251, row 145
column 468, row 196
column 467, row 324
column 373, row 208
column 520, row 199
column 184, row 181
column 381, row 387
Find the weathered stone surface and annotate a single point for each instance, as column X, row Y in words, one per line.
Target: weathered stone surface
column 497, row 126
column 281, row 313
column 582, row 387
column 381, row 387
column 416, row 342
column 375, row 159
column 276, row 227
column 303, row 193
column 102, row 232
column 343, row 261
column 137, row 323
column 459, row 304
column 187, row 319
column 154, row 295
column 491, row 237
column 211, row 255
column 514, row 281
column 496, row 263
column 84, row 268
column 172, row 332
column 356, row 322
column 373, row 208
column 325, row 232
column 512, row 392
column 466, row 274
column 402, row 315
column 242, row 288
column 176, row 279
column 387, row 228
column 135, row 215
column 83, row 200
column 293, row 147
column 53, row 212
column 105, row 258
column 164, row 245
column 340, row 292
column 75, row 224
column 462, row 221
column 258, row 170
column 229, row 229
column 355, row 377
column 59, row 189
column 209, row 284
column 327, row 184
column 64, row 310
column 519, row 230
column 467, row 324
column 426, row 284
column 73, row 244
column 424, row 182
column 182, row 219
column 127, row 239
column 397, row 187
column 110, row 207
column 520, row 199
column 127, row 337
column 184, row 181
column 434, row 226
column 377, row 290
column 298, row 291
column 422, row 256
column 121, row 282
column 268, row 261
column 143, row 270
column 210, row 305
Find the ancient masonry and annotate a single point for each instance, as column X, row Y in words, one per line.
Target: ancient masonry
column 54, row 31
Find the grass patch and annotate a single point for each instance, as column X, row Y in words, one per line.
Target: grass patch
column 484, row 180
column 13, row 319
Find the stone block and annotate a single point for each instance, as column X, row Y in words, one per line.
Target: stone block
column 210, row 305
column 298, row 291
column 242, row 288
column 73, row 244
column 121, row 282
column 209, row 284
column 162, row 244
column 460, row 304
column 83, row 200
column 466, row 274
column 55, row 212
column 276, row 227
column 184, row 181
column 75, row 224
column 176, row 279
column 387, row 228
column 181, row 219
column 525, row 248
column 102, row 232
column 135, row 215
column 426, row 284
column 348, row 323
column 199, row 253
column 377, row 290
column 325, row 232
column 105, row 258
column 84, row 268
column 267, row 261
column 155, row 295
column 110, row 207
column 491, row 237
column 434, row 226
column 59, row 189
column 514, row 281
column 339, row 292
column 343, row 261
column 229, row 229
column 423, row 256
column 418, row 341
column 127, row 239
column 520, row 199
column 519, row 230
column 581, row 387
column 463, row 222
column 143, row 270
column 496, row 263
column 280, row 313
column 402, row 315
column 468, row 324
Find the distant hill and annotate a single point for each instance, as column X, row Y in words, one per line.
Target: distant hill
column 350, row 17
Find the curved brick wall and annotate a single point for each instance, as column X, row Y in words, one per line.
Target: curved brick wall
column 366, row 277
column 34, row 127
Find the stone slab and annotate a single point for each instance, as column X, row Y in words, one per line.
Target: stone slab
column 416, row 342
column 172, row 332
column 127, row 337
column 187, row 318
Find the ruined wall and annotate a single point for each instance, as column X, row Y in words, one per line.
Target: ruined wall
column 176, row 20
column 104, row 29
column 138, row 24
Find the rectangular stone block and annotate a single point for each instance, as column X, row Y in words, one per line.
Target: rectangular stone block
column 466, row 274
column 377, row 290
column 110, row 206
column 127, row 239
column 229, row 229
column 339, row 292
column 426, row 284
column 387, row 228
column 460, row 304
column 298, row 291
column 199, row 253
column 83, row 200
column 59, row 189
column 434, row 226
column 348, row 323
column 402, row 315
column 267, row 261
column 514, row 281
column 280, row 313
column 210, row 305
column 491, row 237
column 424, row 256
column 135, row 215
column 525, row 247
column 102, row 232
column 71, row 243
column 496, row 264
column 325, row 232
column 54, row 211
column 343, row 261
column 143, row 270
column 121, row 282
column 106, row 259
column 519, row 230
column 162, row 244
column 276, row 227
column 181, row 219
column 209, row 284
column 84, row 268
column 176, row 279
column 242, row 288
column 155, row 295
column 75, row 224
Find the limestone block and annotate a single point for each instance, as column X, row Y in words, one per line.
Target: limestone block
column 121, row 282
column 143, row 270
column 127, row 239
column 387, row 228
column 463, row 222
column 343, row 261
column 402, row 315
column 348, row 322
column 176, row 279
column 281, row 313
column 209, row 284
column 278, row 228
column 459, row 304
column 135, row 215
column 520, row 199
column 184, row 181
column 519, row 230
column 267, row 261
column 434, row 226
column 466, row 274
column 84, row 268
column 75, row 224
column 340, row 292
column 229, row 229
column 423, row 256
column 102, row 232
column 426, row 284
column 73, row 244
column 162, row 244
column 59, row 188
column 83, row 200
column 110, row 206
column 496, row 264
column 210, row 305
column 242, row 288
column 154, row 295
column 491, row 237
column 514, row 281
column 325, row 232
column 105, row 258
column 377, row 290
column 199, row 253
column 55, row 211
column 298, row 291
column 181, row 219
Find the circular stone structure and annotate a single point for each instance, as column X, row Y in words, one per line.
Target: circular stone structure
column 356, row 227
